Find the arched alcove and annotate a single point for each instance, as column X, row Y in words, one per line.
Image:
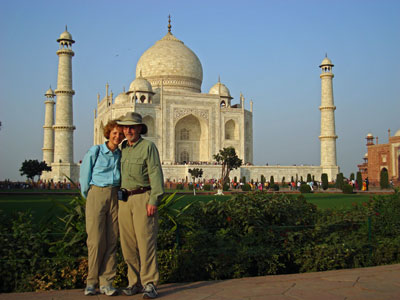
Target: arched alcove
column 191, row 139
column 231, row 130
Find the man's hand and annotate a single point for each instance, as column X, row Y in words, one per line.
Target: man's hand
column 151, row 210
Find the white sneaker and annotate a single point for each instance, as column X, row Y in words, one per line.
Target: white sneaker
column 131, row 290
column 108, row 290
column 90, row 290
column 149, row 291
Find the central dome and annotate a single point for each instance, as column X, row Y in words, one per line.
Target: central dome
column 171, row 62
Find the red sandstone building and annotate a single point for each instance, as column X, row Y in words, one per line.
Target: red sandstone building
column 382, row 156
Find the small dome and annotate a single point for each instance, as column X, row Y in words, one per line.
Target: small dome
column 326, row 62
column 397, row 133
column 66, row 36
column 49, row 93
column 140, row 84
column 121, row 98
column 369, row 135
column 220, row 89
column 366, row 154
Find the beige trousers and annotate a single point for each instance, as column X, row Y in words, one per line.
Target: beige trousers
column 138, row 235
column 102, row 231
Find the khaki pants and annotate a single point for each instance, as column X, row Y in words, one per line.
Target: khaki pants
column 102, row 231
column 138, row 235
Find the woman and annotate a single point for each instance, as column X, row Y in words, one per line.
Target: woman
column 100, row 177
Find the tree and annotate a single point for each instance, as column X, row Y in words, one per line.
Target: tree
column 339, row 181
column 271, row 181
column 324, row 180
column 262, row 181
column 308, row 177
column 195, row 173
column 352, row 176
column 229, row 160
column 359, row 181
column 32, row 168
column 384, row 179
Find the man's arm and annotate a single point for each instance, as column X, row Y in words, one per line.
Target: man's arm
column 155, row 176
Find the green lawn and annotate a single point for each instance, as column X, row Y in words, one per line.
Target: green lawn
column 43, row 205
column 336, row 201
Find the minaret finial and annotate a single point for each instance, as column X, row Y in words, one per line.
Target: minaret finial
column 66, row 28
column 326, row 54
column 169, row 23
column 219, row 78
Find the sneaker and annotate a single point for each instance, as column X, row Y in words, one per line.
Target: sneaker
column 90, row 290
column 131, row 290
column 109, row 290
column 149, row 291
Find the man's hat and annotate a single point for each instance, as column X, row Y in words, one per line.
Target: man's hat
column 132, row 118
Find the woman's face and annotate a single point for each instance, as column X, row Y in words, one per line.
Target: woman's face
column 116, row 136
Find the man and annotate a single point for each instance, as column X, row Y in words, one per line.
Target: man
column 142, row 177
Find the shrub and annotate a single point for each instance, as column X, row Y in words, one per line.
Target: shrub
column 246, row 187
column 179, row 186
column 359, row 181
column 324, row 180
column 352, row 176
column 23, row 245
column 207, row 187
column 283, row 182
column 308, row 177
column 244, row 179
column 250, row 234
column 271, row 181
column 305, row 188
column 384, row 179
column 262, row 180
column 347, row 189
column 225, row 187
column 339, row 181
column 274, row 187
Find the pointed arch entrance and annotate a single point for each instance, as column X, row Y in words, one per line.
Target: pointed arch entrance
column 191, row 140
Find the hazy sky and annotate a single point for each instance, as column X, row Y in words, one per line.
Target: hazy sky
column 268, row 50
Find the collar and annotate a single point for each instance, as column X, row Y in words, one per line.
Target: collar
column 126, row 144
column 104, row 149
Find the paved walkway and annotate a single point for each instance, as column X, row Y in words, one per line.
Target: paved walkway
column 380, row 283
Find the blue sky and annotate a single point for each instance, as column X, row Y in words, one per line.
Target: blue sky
column 268, row 50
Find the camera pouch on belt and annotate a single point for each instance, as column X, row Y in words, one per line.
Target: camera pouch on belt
column 122, row 195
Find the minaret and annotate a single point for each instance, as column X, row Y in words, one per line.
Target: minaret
column 48, row 133
column 63, row 127
column 328, row 135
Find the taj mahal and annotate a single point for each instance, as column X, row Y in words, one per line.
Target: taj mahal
column 187, row 125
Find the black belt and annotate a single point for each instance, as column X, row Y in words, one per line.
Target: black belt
column 140, row 190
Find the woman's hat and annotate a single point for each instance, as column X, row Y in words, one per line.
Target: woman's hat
column 132, row 118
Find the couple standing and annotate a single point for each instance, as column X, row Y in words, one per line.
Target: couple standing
column 136, row 168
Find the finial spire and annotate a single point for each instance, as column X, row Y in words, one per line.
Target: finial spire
column 326, row 54
column 66, row 28
column 169, row 23
column 219, row 79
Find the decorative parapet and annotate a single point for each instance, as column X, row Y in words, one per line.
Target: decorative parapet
column 179, row 113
